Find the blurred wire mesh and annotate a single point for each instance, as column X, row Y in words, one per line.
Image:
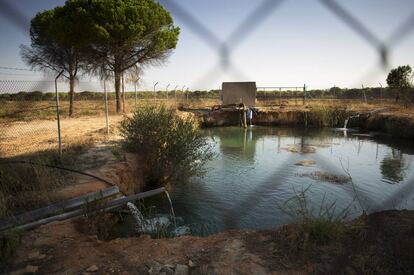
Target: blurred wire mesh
column 34, row 101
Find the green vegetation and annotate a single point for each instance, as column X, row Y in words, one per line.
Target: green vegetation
column 400, row 81
column 315, row 226
column 100, row 37
column 58, row 41
column 171, row 146
column 129, row 33
column 400, row 77
column 325, row 116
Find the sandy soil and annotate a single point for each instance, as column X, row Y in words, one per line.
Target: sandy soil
column 22, row 137
column 379, row 243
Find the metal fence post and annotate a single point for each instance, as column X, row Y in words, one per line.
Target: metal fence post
column 296, row 96
column 166, row 90
column 280, row 96
column 155, row 93
column 106, row 109
column 175, row 96
column 136, row 96
column 58, row 114
column 304, row 94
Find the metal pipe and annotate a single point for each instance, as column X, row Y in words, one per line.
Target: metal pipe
column 116, row 203
column 166, row 90
column 136, row 94
column 106, row 109
column 182, row 90
column 155, row 94
column 58, row 114
column 175, row 95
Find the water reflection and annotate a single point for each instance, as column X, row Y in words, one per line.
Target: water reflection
column 255, row 172
column 393, row 167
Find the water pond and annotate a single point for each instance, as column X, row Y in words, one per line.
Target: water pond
column 258, row 170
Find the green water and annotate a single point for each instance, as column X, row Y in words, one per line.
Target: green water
column 255, row 172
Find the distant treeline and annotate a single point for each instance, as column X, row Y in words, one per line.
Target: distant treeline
column 87, row 95
column 340, row 93
column 335, row 92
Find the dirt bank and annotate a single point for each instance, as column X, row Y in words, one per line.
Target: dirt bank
column 386, row 120
column 378, row 243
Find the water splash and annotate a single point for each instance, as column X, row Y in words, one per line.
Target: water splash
column 171, row 208
column 147, row 225
column 158, row 223
column 139, row 218
column 182, row 230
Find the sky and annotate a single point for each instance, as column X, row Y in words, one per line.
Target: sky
column 295, row 43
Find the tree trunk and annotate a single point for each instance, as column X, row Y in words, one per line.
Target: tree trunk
column 71, row 94
column 118, row 90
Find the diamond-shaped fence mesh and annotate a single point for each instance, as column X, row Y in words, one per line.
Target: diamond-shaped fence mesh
column 28, row 108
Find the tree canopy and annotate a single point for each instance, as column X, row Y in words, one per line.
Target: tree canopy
column 127, row 33
column 58, row 40
column 400, row 77
column 101, row 37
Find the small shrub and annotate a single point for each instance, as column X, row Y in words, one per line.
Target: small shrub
column 322, row 230
column 34, row 96
column 171, row 145
column 316, row 226
column 322, row 116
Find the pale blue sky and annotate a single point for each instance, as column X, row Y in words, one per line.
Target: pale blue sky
column 301, row 41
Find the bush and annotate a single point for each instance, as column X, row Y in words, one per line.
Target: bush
column 86, row 95
column 171, row 145
column 315, row 226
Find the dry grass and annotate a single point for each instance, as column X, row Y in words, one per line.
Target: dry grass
column 37, row 110
column 23, row 137
column 30, row 126
column 25, row 186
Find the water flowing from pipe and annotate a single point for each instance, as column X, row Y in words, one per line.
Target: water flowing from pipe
column 171, row 207
column 347, row 120
column 346, row 123
column 139, row 218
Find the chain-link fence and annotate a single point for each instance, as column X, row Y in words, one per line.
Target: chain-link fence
column 28, row 115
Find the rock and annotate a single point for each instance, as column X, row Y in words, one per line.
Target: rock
column 181, row 270
column 190, row 263
column 169, row 266
column 300, row 149
column 92, row 268
column 306, row 162
column 34, row 255
column 31, row 269
column 154, row 267
column 327, row 177
column 167, row 270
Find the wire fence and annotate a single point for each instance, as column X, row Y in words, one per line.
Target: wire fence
column 28, row 117
column 29, row 114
